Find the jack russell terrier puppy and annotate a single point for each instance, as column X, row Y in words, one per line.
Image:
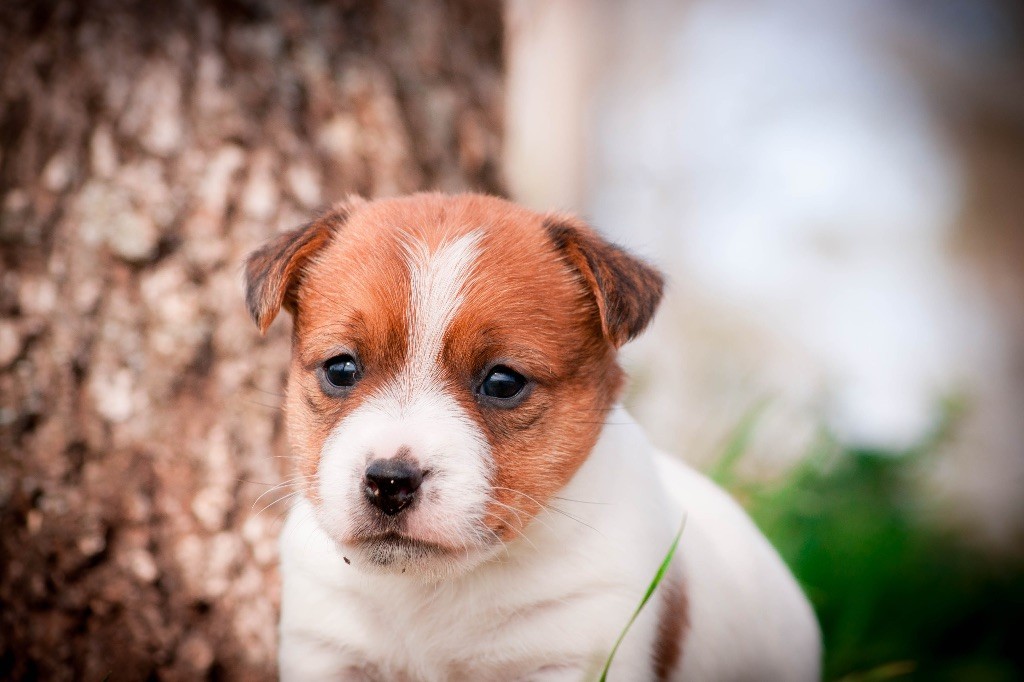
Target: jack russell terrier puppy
column 475, row 504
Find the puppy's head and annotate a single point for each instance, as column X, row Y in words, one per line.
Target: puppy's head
column 453, row 360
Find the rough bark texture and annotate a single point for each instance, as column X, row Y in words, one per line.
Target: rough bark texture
column 145, row 148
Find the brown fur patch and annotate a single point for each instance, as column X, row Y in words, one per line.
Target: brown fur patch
column 354, row 300
column 627, row 290
column 272, row 272
column 673, row 623
column 524, row 308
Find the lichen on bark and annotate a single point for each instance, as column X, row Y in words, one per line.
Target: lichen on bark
column 145, row 148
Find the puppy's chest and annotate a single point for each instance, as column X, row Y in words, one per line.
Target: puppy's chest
column 449, row 637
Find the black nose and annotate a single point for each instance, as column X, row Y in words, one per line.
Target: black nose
column 391, row 484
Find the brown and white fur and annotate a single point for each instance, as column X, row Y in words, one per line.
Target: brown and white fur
column 539, row 521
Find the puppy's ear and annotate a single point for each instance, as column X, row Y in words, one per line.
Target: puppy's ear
column 626, row 289
column 273, row 272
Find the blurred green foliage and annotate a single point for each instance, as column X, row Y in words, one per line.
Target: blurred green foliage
column 899, row 594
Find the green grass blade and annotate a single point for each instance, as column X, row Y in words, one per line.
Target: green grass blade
column 643, row 602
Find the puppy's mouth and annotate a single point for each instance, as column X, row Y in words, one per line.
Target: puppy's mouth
column 391, row 548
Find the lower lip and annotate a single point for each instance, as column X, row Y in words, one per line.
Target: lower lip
column 403, row 541
column 395, row 549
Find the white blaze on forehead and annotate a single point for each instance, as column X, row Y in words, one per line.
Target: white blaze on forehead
column 437, row 279
column 416, row 411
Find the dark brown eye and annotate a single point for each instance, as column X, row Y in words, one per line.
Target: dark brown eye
column 339, row 373
column 502, row 383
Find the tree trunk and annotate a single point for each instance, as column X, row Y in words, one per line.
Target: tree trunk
column 145, row 148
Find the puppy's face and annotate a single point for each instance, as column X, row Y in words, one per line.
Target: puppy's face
column 453, row 360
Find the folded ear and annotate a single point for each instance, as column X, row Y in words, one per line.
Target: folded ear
column 273, row 271
column 626, row 289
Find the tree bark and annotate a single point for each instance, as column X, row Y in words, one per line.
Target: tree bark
column 145, row 148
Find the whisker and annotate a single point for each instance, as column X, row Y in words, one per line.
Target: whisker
column 245, row 480
column 517, row 511
column 265, row 392
column 510, row 508
column 269, row 407
column 283, row 484
column 552, row 508
column 277, row 501
column 514, row 529
column 569, row 499
column 293, row 479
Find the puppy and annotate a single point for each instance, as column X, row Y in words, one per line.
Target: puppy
column 476, row 506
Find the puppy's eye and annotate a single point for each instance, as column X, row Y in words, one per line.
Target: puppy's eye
column 503, row 383
column 340, row 372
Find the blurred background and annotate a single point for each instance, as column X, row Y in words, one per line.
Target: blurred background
column 835, row 191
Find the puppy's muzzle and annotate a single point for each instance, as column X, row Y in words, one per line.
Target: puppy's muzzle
column 391, row 484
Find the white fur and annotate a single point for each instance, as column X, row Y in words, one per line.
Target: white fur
column 550, row 604
column 441, row 438
column 413, row 413
column 436, row 282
